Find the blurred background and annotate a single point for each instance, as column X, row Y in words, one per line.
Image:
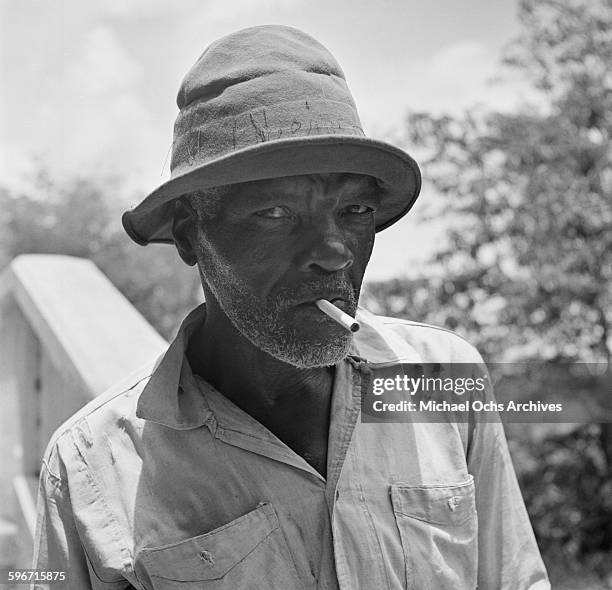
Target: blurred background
column 506, row 105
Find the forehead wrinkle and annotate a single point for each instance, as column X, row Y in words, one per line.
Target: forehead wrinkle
column 343, row 180
column 284, row 189
column 310, row 186
column 342, row 184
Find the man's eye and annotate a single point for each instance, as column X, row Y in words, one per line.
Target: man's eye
column 274, row 213
column 358, row 209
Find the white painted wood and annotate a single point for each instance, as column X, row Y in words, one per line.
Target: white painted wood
column 90, row 331
column 8, row 544
column 27, row 504
column 26, row 354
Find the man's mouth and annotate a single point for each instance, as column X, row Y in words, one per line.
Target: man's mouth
column 338, row 301
column 313, row 310
column 338, row 292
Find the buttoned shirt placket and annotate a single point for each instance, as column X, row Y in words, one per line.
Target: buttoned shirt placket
column 230, row 425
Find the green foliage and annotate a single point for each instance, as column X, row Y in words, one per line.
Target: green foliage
column 79, row 218
column 530, row 199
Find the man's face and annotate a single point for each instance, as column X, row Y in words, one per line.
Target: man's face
column 276, row 246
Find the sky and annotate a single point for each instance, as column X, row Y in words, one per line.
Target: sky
column 89, row 87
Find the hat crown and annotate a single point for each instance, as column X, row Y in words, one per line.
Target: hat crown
column 261, row 84
column 254, row 53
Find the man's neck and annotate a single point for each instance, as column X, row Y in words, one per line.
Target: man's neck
column 292, row 403
column 265, row 387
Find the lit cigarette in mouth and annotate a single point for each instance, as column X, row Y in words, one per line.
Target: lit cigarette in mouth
column 336, row 314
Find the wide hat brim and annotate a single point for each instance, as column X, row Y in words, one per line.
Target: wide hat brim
column 397, row 173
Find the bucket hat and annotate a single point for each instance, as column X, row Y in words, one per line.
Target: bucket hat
column 267, row 102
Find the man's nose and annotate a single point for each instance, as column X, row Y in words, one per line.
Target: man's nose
column 326, row 250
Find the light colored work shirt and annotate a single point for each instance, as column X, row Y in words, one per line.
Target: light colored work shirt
column 163, row 483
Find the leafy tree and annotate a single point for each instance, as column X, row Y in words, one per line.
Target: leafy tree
column 525, row 272
column 530, row 196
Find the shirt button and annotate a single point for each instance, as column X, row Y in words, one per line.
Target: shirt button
column 453, row 502
column 207, row 557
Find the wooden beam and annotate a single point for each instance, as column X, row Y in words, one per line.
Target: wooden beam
column 91, row 332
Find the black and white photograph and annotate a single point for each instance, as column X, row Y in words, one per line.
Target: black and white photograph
column 306, row 295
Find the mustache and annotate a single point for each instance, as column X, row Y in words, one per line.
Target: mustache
column 339, row 286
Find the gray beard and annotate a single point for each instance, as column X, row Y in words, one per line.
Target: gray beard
column 265, row 322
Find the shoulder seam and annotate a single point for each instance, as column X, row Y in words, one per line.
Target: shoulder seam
column 56, row 480
column 71, row 422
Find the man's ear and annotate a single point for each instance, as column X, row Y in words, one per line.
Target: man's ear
column 184, row 231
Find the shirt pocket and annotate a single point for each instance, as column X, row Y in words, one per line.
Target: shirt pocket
column 438, row 528
column 249, row 552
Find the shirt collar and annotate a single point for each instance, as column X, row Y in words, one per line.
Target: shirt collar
column 172, row 396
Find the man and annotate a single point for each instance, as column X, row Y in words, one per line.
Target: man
column 240, row 460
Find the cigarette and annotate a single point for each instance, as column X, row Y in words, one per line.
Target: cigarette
column 336, row 314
